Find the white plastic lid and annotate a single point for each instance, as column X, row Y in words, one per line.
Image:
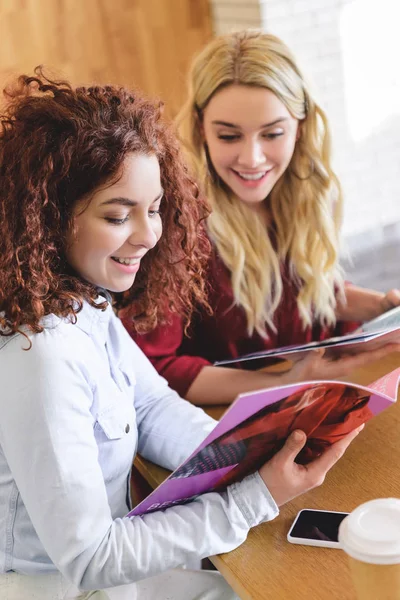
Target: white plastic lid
column 371, row 533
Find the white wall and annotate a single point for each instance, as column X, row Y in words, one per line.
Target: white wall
column 349, row 49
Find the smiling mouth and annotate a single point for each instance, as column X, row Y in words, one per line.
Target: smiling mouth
column 126, row 261
column 251, row 176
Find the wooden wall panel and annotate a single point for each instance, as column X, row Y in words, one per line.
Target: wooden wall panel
column 144, row 43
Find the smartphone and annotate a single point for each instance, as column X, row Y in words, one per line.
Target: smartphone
column 316, row 528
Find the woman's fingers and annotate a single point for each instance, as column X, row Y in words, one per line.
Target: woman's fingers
column 356, row 361
column 305, row 365
column 294, row 443
column 316, row 366
column 286, row 479
column 325, row 462
column 391, row 300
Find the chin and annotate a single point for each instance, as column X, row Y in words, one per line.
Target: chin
column 253, row 201
column 114, row 289
column 118, row 289
column 256, row 199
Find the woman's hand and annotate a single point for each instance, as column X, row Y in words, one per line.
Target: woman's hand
column 315, row 365
column 285, row 479
column 390, row 300
column 363, row 304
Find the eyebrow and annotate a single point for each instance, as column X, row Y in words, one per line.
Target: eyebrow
column 122, row 201
column 233, row 126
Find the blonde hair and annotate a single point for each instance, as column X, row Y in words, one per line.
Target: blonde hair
column 305, row 204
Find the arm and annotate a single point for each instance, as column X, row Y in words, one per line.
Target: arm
column 221, row 385
column 193, row 377
column 46, row 435
column 363, row 304
column 218, row 385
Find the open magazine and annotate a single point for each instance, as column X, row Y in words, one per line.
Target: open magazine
column 256, row 426
column 371, row 335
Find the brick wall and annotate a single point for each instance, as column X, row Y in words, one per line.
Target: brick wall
column 349, row 50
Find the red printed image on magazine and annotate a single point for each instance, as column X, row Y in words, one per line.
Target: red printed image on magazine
column 372, row 335
column 256, row 426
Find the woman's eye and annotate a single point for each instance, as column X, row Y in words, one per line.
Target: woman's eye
column 272, row 136
column 153, row 213
column 115, row 221
column 228, row 138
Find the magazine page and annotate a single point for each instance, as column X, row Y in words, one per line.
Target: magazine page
column 256, row 426
column 373, row 334
column 286, row 351
column 387, row 321
column 384, row 389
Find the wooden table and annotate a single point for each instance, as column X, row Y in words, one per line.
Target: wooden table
column 266, row 566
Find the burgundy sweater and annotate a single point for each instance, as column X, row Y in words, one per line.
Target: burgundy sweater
column 180, row 358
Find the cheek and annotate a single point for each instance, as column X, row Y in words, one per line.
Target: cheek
column 280, row 154
column 112, row 238
column 221, row 156
column 96, row 240
column 287, row 149
column 76, row 246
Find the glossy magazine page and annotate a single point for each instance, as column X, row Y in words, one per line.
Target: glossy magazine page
column 256, row 426
column 383, row 330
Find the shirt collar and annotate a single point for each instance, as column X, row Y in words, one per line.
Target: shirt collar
column 92, row 321
column 95, row 321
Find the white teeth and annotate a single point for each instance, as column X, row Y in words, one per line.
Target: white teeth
column 126, row 261
column 252, row 176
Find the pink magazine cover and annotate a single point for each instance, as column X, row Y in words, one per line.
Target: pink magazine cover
column 256, row 426
column 385, row 329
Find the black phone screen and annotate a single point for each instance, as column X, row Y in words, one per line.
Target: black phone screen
column 318, row 525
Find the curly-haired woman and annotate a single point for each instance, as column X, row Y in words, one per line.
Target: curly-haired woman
column 88, row 179
column 259, row 144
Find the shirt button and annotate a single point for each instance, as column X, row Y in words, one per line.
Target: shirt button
column 127, row 428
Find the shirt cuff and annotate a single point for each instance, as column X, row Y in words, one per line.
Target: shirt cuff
column 254, row 500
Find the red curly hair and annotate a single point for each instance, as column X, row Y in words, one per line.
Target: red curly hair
column 57, row 145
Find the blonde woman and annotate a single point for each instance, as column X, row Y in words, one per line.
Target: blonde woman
column 259, row 145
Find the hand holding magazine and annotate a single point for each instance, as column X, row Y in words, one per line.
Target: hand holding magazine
column 373, row 334
column 256, row 426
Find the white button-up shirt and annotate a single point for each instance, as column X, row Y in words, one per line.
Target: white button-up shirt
column 74, row 410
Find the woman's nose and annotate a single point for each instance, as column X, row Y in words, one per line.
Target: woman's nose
column 251, row 154
column 146, row 233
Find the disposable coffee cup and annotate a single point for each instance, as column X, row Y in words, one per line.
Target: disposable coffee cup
column 370, row 536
